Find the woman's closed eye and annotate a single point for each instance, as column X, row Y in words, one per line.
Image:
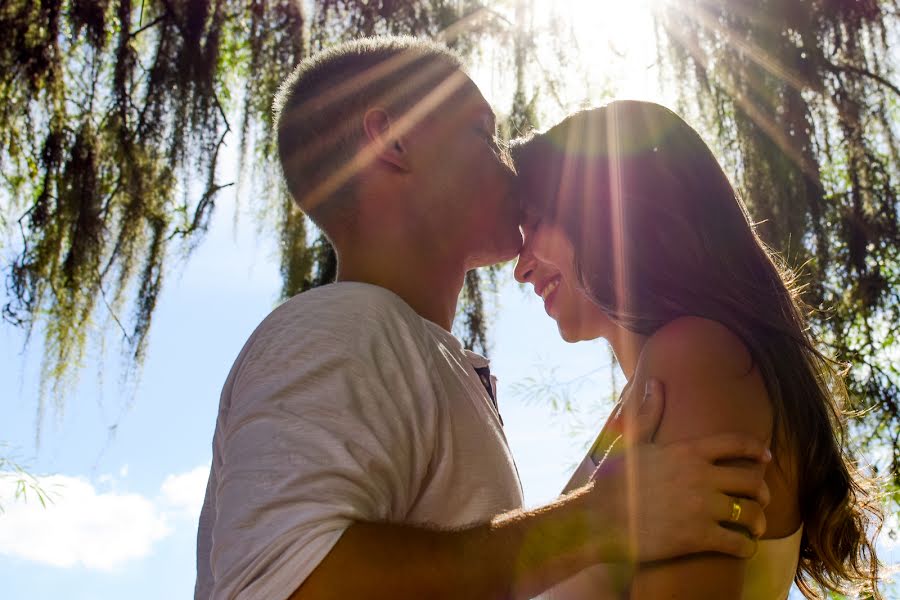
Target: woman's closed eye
column 489, row 136
column 529, row 223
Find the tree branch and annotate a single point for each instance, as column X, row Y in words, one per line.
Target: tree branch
column 109, row 308
column 149, row 25
column 215, row 96
column 864, row 73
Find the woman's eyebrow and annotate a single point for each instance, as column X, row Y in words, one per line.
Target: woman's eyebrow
column 486, row 112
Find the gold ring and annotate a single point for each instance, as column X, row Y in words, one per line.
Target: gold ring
column 735, row 509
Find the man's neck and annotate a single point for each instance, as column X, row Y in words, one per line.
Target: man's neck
column 430, row 286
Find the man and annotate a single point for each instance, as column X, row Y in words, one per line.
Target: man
column 357, row 453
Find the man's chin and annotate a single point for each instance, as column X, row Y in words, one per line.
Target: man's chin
column 511, row 253
column 496, row 256
column 510, row 250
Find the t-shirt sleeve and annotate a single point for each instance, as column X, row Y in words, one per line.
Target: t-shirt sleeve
column 322, row 431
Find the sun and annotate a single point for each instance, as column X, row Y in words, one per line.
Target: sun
column 624, row 25
column 609, row 48
column 614, row 43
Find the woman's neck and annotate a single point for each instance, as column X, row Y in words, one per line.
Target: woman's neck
column 627, row 346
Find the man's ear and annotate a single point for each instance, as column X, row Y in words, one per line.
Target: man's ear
column 383, row 139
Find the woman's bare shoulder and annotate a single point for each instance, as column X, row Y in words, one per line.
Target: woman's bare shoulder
column 689, row 345
column 712, row 387
column 711, row 384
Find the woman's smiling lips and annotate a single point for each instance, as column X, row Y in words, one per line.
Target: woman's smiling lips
column 547, row 291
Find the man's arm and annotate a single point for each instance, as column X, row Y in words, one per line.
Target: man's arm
column 521, row 554
column 517, row 555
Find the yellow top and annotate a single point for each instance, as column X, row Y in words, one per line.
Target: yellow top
column 770, row 572
column 769, row 575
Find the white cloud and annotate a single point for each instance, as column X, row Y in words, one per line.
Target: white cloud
column 80, row 526
column 185, row 492
column 84, row 526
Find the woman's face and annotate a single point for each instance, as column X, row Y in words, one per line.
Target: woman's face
column 547, row 261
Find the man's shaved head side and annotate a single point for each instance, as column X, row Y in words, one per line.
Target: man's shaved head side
column 320, row 107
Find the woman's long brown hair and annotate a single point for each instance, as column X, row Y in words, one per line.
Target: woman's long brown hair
column 660, row 233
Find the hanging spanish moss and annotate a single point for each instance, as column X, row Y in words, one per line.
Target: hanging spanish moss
column 801, row 97
column 105, row 106
column 113, row 115
column 108, row 111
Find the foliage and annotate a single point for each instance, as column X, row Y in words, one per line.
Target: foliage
column 24, row 482
column 109, row 111
column 799, row 93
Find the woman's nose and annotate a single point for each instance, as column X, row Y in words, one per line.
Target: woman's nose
column 524, row 263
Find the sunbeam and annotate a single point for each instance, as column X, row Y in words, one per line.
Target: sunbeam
column 758, row 115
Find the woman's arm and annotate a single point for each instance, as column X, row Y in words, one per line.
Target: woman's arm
column 711, row 387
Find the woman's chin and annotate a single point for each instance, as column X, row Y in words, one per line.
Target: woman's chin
column 577, row 334
column 569, row 335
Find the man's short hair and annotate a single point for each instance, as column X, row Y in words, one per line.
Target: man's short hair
column 319, row 113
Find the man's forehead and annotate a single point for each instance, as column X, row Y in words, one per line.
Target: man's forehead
column 459, row 100
column 474, row 100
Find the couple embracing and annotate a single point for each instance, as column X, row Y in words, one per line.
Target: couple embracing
column 359, row 451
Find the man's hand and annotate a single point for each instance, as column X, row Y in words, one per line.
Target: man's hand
column 673, row 500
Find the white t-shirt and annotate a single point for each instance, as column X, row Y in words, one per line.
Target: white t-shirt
column 344, row 405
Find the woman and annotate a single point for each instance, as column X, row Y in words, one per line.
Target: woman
column 633, row 233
